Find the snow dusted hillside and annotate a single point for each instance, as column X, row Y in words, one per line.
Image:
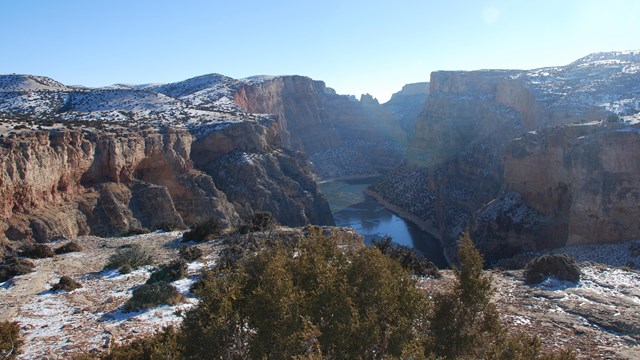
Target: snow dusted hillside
column 29, row 82
column 610, row 80
column 203, row 104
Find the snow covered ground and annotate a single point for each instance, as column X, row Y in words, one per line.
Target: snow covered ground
column 57, row 324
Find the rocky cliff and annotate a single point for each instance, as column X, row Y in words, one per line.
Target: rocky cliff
column 564, row 186
column 113, row 161
column 455, row 161
column 341, row 136
column 407, row 104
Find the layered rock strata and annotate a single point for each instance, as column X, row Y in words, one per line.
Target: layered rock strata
column 68, row 182
column 342, row 136
column 407, row 104
column 461, row 157
column 565, row 186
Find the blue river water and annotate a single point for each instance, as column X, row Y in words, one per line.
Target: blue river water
column 351, row 207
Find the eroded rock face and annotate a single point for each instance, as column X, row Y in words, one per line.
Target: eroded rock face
column 407, row 104
column 461, row 157
column 260, row 175
column 326, row 126
column 63, row 182
column 582, row 179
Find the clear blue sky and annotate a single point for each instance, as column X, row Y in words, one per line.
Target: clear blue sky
column 354, row 46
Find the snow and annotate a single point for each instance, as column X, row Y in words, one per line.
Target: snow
column 203, row 104
column 56, row 322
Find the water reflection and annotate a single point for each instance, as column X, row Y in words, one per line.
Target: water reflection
column 351, row 207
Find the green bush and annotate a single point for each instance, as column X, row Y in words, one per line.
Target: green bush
column 325, row 300
column 317, row 299
column 149, row 296
column 38, row 251
column 163, row 345
column 204, row 231
column 190, row 253
column 176, row 270
column 66, row 283
column 134, row 256
column 10, row 340
column 258, row 221
column 13, row 266
column 69, row 247
column 465, row 323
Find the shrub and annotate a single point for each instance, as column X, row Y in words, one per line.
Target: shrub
column 259, row 221
column 135, row 256
column 408, row 258
column 125, row 269
column 315, row 299
column 149, row 296
column 204, row 231
column 66, row 283
column 190, row 253
column 13, row 266
column 38, row 251
column 163, row 345
column 326, row 301
column 465, row 323
column 69, row 247
column 135, row 231
column 561, row 266
column 10, row 339
column 169, row 273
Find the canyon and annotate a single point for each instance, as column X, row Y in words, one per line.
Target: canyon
column 526, row 160
column 128, row 158
column 530, row 162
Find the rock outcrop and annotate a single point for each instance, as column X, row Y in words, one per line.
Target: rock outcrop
column 68, row 182
column 407, row 104
column 580, row 181
column 458, row 160
column 327, row 126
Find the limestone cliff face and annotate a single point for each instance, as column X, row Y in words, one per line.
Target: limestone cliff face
column 247, row 162
column 407, row 104
column 329, row 128
column 63, row 182
column 458, row 160
column 581, row 181
column 72, row 182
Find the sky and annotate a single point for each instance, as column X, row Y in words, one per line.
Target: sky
column 354, row 46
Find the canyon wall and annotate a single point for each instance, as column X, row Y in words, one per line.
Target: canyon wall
column 462, row 166
column 563, row 186
column 68, row 182
column 407, row 104
column 341, row 136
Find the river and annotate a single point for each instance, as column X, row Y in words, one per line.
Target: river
column 351, row 207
